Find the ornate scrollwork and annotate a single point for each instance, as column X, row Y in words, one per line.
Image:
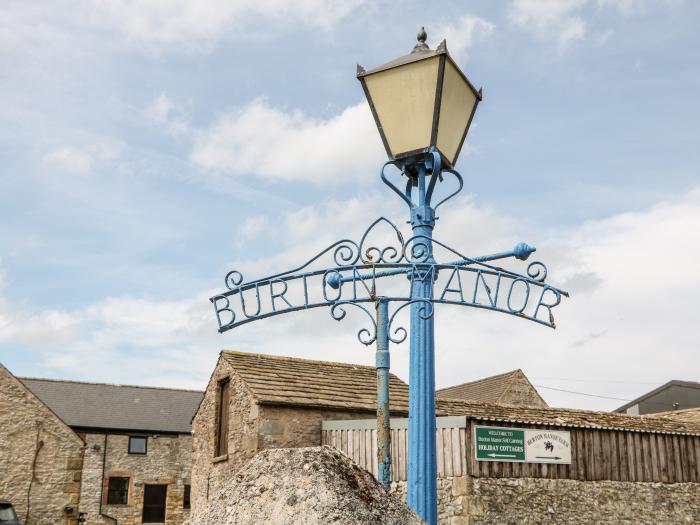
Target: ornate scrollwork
column 398, row 335
column 537, row 271
column 233, row 279
column 386, row 254
column 364, row 335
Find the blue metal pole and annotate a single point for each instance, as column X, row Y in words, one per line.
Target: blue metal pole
column 422, row 467
column 383, row 411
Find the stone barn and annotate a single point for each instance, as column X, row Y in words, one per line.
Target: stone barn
column 602, row 468
column 512, row 388
column 256, row 401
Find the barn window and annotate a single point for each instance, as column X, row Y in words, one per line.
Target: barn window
column 137, row 444
column 186, row 497
column 222, row 418
column 118, row 491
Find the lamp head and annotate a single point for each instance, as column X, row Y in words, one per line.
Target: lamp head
column 421, row 101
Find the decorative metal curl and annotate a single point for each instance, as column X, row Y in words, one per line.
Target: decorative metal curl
column 400, row 333
column 233, row 279
column 364, row 335
column 387, row 254
column 537, row 271
column 461, row 185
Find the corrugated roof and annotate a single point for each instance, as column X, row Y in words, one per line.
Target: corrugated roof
column 117, row 407
column 567, row 417
column 278, row 380
column 488, row 390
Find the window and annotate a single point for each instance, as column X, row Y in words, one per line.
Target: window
column 118, row 491
column 222, row 419
column 186, row 497
column 137, row 444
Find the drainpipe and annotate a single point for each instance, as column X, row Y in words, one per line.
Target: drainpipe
column 102, row 480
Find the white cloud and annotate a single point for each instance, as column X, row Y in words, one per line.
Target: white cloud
column 464, row 33
column 165, row 113
column 548, row 20
column 630, row 316
column 562, row 21
column 266, row 141
column 253, row 226
column 79, row 161
column 200, row 23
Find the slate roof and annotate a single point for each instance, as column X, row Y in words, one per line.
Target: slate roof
column 117, row 407
column 275, row 380
column 567, row 417
column 488, row 389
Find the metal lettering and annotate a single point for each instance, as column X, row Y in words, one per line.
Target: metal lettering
column 280, row 295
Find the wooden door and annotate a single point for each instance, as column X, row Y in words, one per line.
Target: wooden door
column 154, row 503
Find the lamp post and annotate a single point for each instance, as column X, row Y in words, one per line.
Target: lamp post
column 423, row 105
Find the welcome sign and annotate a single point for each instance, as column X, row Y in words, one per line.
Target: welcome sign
column 523, row 445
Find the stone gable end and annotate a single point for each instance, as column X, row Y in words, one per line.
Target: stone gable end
column 42, row 480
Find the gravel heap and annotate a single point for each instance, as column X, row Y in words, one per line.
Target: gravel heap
column 310, row 486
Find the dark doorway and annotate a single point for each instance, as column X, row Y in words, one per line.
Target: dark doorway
column 154, row 503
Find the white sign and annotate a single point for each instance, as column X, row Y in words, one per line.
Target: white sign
column 547, row 446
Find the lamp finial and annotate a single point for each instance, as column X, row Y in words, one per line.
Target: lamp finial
column 421, row 45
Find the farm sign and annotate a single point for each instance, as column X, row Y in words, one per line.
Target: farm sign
column 523, row 445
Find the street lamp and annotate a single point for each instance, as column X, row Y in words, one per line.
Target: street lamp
column 423, row 105
column 420, row 101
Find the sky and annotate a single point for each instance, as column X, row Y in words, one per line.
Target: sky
column 148, row 148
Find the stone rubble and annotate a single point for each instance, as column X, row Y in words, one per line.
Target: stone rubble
column 305, row 486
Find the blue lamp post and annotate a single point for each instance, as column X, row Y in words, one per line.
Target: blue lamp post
column 423, row 105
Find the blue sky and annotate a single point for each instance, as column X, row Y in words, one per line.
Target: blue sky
column 147, row 148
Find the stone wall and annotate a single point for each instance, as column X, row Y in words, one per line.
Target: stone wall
column 479, row 501
column 281, row 426
column 520, row 392
column 40, row 458
column 167, row 462
column 252, row 428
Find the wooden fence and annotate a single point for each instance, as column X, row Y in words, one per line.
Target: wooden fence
column 617, row 455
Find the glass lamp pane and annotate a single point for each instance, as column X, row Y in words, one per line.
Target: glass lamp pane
column 404, row 99
column 458, row 100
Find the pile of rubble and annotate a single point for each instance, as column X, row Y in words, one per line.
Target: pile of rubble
column 310, row 486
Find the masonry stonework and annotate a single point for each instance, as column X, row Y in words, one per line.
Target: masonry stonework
column 252, row 428
column 42, row 458
column 465, row 500
column 520, row 392
column 167, row 462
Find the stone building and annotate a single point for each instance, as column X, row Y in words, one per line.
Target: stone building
column 511, row 388
column 113, row 453
column 624, row 469
column 255, row 401
column 138, row 443
column 41, row 457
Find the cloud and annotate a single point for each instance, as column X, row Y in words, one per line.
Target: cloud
column 79, row 161
column 562, row 21
column 262, row 140
column 165, row 113
column 194, row 23
column 548, row 20
column 627, row 318
column 464, row 33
